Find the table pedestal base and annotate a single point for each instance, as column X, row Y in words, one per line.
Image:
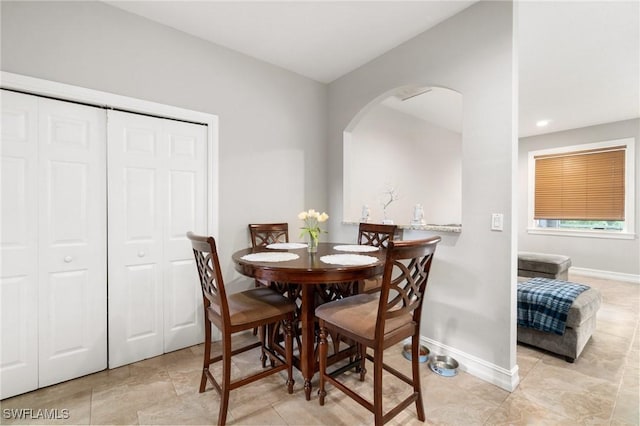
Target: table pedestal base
column 307, row 297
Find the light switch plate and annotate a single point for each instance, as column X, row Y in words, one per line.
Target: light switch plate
column 497, row 221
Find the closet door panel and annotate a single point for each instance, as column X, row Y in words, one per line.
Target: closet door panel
column 186, row 207
column 141, row 286
column 72, row 241
column 136, row 215
column 18, row 245
column 157, row 192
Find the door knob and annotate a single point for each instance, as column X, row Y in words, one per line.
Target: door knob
column 68, row 259
column 141, row 254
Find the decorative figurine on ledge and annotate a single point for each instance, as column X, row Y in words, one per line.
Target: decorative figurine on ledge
column 418, row 216
column 366, row 214
column 393, row 196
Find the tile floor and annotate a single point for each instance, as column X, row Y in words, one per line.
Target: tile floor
column 601, row 387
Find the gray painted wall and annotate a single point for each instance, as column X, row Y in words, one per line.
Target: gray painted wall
column 272, row 140
column 610, row 255
column 281, row 151
column 470, row 301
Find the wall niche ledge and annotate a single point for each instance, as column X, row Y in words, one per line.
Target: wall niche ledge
column 454, row 228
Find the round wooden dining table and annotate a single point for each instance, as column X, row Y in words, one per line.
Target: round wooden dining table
column 311, row 281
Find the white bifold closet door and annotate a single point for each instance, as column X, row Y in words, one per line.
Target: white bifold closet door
column 157, row 176
column 53, row 286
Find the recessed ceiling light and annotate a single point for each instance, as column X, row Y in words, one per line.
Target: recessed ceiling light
column 542, row 123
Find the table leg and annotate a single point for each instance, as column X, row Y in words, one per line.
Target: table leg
column 307, row 354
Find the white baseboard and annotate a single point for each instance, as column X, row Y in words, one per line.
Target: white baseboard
column 501, row 377
column 609, row 275
column 491, row 373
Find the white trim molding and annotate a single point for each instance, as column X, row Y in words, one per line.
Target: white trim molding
column 584, row 233
column 608, row 275
column 491, row 373
column 37, row 86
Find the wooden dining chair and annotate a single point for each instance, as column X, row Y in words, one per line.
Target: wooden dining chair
column 376, row 235
column 378, row 321
column 263, row 234
column 233, row 313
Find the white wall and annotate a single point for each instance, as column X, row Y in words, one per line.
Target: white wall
column 602, row 255
column 470, row 304
column 272, row 141
column 421, row 160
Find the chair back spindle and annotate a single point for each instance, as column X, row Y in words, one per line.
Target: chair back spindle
column 405, row 278
column 377, row 235
column 209, row 272
column 263, row 234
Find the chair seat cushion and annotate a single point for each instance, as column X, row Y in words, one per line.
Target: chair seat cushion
column 255, row 305
column 358, row 314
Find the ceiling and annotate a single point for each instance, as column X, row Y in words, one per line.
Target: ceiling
column 579, row 62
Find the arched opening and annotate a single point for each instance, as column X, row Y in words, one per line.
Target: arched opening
column 403, row 159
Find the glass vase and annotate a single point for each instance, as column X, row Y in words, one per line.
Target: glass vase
column 312, row 245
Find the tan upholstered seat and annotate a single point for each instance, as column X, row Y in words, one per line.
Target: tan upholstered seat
column 379, row 321
column 358, row 315
column 236, row 312
column 254, row 305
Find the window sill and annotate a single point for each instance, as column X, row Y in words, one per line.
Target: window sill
column 614, row 235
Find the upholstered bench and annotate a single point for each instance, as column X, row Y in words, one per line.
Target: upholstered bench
column 580, row 324
column 543, row 265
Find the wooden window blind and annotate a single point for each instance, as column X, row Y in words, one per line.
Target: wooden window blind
column 585, row 185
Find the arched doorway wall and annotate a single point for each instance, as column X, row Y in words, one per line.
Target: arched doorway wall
column 403, row 158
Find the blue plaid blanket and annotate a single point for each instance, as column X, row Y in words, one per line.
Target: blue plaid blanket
column 543, row 303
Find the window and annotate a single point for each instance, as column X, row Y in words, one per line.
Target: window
column 584, row 189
